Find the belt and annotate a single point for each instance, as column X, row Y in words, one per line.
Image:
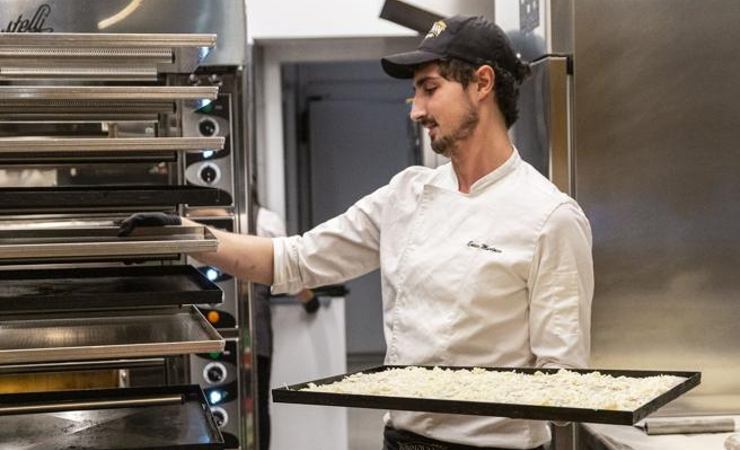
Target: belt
column 405, row 440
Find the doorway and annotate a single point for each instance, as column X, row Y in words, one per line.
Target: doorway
column 347, row 132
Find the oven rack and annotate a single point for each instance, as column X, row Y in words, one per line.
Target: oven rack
column 101, row 56
column 75, row 144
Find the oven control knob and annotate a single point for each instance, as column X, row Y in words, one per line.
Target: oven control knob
column 220, row 416
column 208, row 127
column 214, row 373
column 210, row 173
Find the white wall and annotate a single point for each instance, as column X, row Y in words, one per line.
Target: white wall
column 267, row 19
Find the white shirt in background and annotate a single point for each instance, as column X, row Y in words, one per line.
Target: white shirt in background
column 269, row 224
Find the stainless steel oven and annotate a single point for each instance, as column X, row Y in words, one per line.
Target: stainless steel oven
column 94, row 126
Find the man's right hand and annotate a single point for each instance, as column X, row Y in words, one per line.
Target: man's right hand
column 155, row 219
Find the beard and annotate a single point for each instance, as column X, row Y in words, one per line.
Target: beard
column 447, row 144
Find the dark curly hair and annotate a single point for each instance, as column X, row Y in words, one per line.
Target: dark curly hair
column 506, row 84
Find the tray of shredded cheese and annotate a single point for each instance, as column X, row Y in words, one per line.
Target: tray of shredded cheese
column 621, row 397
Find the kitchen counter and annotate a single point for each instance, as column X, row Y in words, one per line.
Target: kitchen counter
column 620, row 437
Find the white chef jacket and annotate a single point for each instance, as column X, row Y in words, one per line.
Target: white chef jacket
column 500, row 276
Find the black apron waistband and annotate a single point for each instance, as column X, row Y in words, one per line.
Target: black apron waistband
column 405, row 440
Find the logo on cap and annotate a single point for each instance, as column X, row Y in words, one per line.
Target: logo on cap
column 438, row 27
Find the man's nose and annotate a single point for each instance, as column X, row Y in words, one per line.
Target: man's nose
column 417, row 110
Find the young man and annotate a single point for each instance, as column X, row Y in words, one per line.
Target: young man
column 483, row 261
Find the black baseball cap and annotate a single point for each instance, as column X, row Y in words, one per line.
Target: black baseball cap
column 475, row 40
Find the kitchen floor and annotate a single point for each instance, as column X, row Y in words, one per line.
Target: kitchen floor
column 365, row 425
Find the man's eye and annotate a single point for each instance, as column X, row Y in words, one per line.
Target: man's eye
column 430, row 90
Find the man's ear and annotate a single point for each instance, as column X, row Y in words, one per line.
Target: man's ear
column 485, row 81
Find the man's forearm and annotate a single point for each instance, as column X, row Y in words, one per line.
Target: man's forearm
column 244, row 256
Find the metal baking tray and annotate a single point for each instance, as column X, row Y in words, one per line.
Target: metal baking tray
column 61, row 111
column 293, row 394
column 24, row 243
column 73, row 103
column 27, row 95
column 167, row 417
column 105, row 287
column 88, row 41
column 93, row 335
column 101, row 56
column 20, row 198
column 27, row 145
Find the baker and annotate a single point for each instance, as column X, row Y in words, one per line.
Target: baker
column 483, row 261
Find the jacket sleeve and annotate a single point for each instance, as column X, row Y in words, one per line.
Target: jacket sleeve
column 344, row 247
column 561, row 286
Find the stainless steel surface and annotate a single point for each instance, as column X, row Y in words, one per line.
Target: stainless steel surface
column 560, row 27
column 657, row 174
column 90, row 54
column 227, row 18
column 655, row 169
column 72, row 227
column 80, row 366
column 108, row 72
column 611, row 437
column 560, row 150
column 60, row 144
column 28, row 94
column 104, row 40
column 83, row 111
column 48, row 244
column 88, row 336
column 542, row 133
column 13, row 48
column 689, row 425
column 226, row 60
column 66, row 406
column 90, row 103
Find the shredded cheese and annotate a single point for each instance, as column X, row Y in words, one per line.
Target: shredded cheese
column 564, row 388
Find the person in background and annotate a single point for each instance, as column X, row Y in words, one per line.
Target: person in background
column 483, row 261
column 268, row 224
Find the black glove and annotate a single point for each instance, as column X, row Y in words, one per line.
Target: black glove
column 155, row 219
column 312, row 305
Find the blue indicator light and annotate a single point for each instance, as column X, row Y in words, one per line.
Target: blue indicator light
column 204, row 102
column 212, row 274
column 215, row 397
column 207, row 154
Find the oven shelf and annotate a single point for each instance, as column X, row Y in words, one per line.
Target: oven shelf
column 105, row 287
column 40, row 241
column 76, row 145
column 101, row 56
column 28, row 95
column 152, row 418
column 84, row 103
column 50, row 198
column 93, row 335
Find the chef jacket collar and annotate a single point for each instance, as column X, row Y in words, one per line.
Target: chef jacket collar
column 450, row 181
